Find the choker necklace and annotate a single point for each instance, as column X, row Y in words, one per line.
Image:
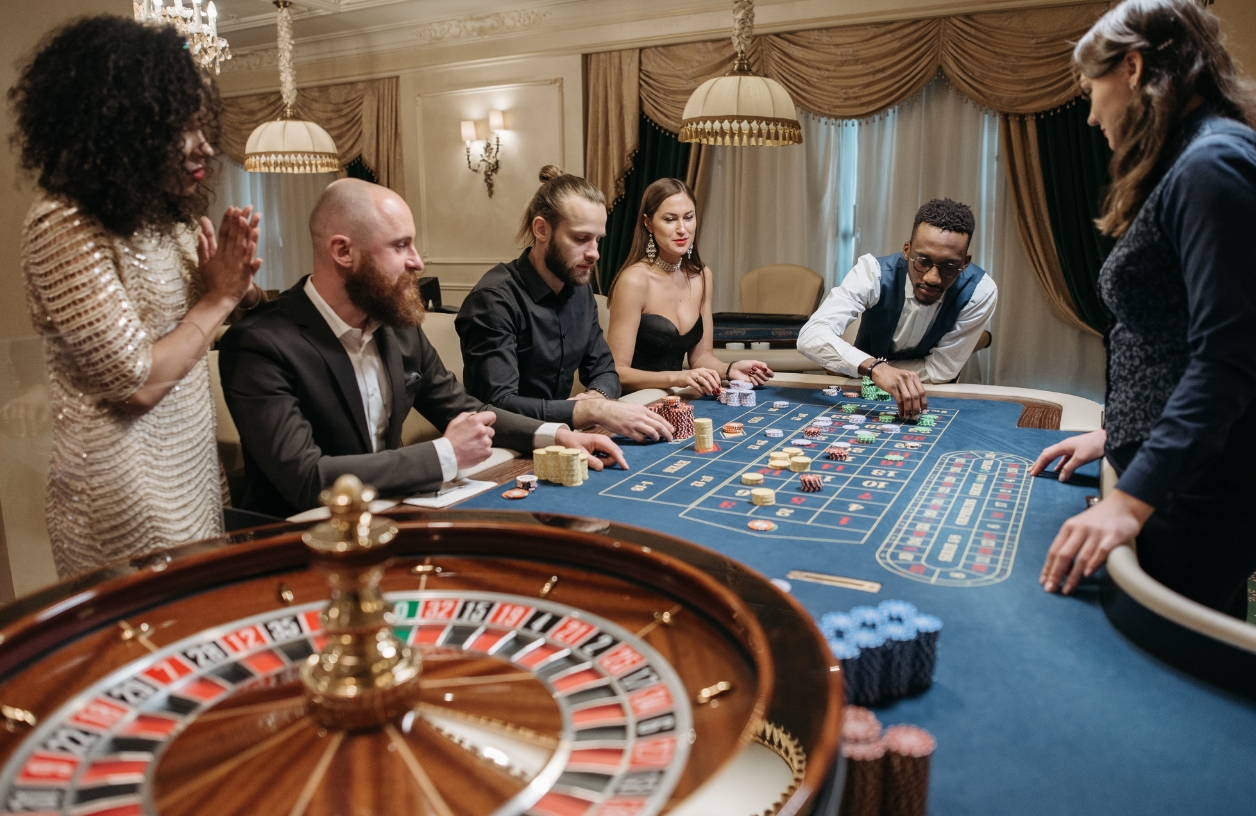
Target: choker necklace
column 665, row 266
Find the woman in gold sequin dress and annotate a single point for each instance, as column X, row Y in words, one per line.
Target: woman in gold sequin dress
column 126, row 287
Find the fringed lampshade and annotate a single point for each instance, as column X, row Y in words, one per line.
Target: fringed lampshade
column 289, row 145
column 741, row 107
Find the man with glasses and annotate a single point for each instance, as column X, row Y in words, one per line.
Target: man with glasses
column 922, row 311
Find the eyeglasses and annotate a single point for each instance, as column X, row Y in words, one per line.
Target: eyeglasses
column 949, row 269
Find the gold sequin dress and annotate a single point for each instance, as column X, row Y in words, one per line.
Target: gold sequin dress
column 119, row 485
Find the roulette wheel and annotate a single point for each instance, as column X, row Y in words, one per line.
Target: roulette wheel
column 467, row 664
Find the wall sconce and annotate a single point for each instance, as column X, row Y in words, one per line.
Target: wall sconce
column 490, row 158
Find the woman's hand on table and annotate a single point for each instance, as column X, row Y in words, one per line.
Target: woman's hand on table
column 595, row 444
column 1076, row 451
column 756, row 372
column 702, row 380
column 1084, row 541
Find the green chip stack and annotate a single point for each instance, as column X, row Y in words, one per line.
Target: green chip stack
column 927, row 420
column 869, row 391
column 849, row 408
column 865, row 437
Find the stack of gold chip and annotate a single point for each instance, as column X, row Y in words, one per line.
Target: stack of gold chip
column 752, row 479
column 763, row 496
column 540, row 463
column 584, row 465
column 778, row 461
column 799, row 464
column 703, row 435
column 569, row 467
column 792, row 452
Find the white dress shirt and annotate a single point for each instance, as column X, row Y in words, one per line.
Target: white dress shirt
column 821, row 338
column 376, row 391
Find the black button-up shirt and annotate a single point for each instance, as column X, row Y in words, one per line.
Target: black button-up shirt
column 522, row 343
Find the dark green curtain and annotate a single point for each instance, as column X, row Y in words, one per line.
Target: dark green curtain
column 660, row 155
column 1074, row 158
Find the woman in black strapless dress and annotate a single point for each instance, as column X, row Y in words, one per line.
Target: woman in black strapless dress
column 660, row 303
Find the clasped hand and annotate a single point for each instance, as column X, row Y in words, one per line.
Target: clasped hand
column 228, row 259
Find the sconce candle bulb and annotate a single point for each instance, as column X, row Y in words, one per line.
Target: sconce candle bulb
column 490, row 158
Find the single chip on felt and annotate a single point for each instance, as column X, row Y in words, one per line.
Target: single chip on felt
column 761, row 525
column 851, row 394
column 894, row 457
column 913, row 445
column 516, row 493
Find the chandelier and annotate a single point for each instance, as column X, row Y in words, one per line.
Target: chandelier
column 199, row 28
column 741, row 107
column 289, row 145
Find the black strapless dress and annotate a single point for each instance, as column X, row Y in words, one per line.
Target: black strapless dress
column 661, row 346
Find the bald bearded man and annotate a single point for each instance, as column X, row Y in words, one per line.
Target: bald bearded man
column 319, row 381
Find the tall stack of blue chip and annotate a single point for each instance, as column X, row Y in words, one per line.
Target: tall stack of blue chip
column 887, row 651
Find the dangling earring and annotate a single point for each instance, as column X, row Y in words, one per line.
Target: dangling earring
column 650, row 249
column 690, row 252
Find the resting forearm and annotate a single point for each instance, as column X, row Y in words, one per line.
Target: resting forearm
column 178, row 352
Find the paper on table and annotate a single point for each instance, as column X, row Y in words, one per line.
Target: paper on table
column 451, row 492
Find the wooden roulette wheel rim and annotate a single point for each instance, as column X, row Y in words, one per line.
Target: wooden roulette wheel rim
column 59, row 645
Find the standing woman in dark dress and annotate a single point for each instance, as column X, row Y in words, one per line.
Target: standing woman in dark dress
column 660, row 302
column 1181, row 396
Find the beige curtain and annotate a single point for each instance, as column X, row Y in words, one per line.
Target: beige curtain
column 1014, row 62
column 1019, row 135
column 613, row 108
column 362, row 118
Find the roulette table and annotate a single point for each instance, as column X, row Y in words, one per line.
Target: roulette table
column 1039, row 704
column 468, row 663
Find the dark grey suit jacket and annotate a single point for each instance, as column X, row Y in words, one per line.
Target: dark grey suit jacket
column 294, row 398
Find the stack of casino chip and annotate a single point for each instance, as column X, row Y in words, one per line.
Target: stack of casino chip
column 831, row 391
column 733, row 428
column 680, row 415
column 752, row 479
column 703, row 432
column 865, row 437
column 526, row 482
column 569, row 467
column 864, row 751
column 774, row 433
column 810, row 482
column 779, row 404
column 584, row 465
column 857, row 419
column 799, row 464
column 822, row 421
column 739, row 392
column 926, row 420
column 849, row 408
column 869, row 390
column 778, row 462
column 887, row 651
column 905, row 791
column 812, row 431
column 762, row 496
column 540, row 463
column 839, row 451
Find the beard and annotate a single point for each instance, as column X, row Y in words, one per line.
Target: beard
column 395, row 304
column 566, row 271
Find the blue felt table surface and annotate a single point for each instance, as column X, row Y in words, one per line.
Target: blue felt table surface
column 1038, row 705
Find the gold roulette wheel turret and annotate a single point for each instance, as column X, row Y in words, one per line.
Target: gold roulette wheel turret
column 468, row 664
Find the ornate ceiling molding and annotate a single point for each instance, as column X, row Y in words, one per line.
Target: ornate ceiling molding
column 484, row 25
column 252, row 61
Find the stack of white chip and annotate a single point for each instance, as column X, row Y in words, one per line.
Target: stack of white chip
column 738, row 392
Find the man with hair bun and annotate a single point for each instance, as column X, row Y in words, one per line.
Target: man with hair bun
column 923, row 310
column 529, row 325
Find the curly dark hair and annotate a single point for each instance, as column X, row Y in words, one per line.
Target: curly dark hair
column 946, row 214
column 101, row 110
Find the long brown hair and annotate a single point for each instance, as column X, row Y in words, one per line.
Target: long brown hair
column 547, row 202
column 1182, row 56
column 651, row 200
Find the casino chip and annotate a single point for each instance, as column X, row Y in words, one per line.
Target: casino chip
column 761, row 525
column 516, row 493
column 894, row 457
column 913, row 445
column 774, row 433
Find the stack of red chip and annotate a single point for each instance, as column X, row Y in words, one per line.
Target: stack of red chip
column 839, row 454
column 678, row 414
column 906, row 789
column 733, row 427
column 810, row 482
column 865, row 766
column 812, row 431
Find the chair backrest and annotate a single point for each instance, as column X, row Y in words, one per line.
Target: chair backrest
column 781, row 289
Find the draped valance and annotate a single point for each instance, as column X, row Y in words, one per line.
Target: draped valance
column 362, row 118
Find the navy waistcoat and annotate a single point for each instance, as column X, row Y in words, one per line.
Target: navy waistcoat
column 876, row 330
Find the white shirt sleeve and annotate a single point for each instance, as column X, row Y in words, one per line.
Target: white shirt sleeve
column 821, row 338
column 448, row 459
column 944, row 361
column 544, row 436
